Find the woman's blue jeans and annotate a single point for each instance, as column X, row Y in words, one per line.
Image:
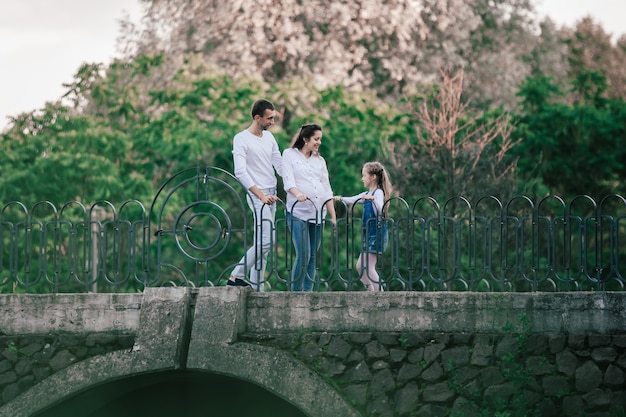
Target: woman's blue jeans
column 306, row 237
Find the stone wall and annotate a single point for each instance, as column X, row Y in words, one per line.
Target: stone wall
column 441, row 374
column 330, row 354
column 458, row 354
column 43, row 334
column 28, row 360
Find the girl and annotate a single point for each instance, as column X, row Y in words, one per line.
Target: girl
column 375, row 238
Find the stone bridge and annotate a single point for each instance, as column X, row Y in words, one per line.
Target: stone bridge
column 234, row 352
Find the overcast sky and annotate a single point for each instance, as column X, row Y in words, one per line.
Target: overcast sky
column 45, row 41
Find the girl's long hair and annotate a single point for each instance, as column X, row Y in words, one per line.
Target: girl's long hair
column 382, row 180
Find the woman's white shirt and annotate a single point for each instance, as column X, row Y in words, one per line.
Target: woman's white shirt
column 310, row 177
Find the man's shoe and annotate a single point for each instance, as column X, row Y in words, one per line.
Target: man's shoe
column 238, row 282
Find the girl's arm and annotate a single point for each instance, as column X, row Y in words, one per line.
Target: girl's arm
column 354, row 199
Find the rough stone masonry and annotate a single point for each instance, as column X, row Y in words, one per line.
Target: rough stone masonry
column 329, row 354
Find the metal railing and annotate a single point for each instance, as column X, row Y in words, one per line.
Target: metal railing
column 198, row 226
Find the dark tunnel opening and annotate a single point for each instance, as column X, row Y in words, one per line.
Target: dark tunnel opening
column 174, row 394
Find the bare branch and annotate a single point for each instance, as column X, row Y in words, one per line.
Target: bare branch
column 459, row 152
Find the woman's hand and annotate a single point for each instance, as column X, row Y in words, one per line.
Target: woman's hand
column 299, row 196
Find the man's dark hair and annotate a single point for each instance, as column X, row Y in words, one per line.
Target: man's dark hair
column 260, row 106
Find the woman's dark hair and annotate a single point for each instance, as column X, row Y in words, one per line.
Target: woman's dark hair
column 306, row 132
column 259, row 107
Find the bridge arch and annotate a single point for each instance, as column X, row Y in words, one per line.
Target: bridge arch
column 121, row 384
column 190, row 338
column 276, row 371
column 173, row 393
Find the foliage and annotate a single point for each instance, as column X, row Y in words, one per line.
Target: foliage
column 573, row 149
column 571, row 113
column 121, row 138
column 591, row 51
column 60, row 156
column 168, row 105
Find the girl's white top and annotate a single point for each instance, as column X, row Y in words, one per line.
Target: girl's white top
column 379, row 199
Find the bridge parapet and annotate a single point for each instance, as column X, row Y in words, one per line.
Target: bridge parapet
column 198, row 226
column 346, row 354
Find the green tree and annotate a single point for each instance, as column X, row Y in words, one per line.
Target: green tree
column 573, row 149
column 591, row 51
column 124, row 130
column 59, row 156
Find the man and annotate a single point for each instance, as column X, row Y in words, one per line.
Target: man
column 256, row 156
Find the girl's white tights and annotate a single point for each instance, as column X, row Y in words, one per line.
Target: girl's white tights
column 366, row 266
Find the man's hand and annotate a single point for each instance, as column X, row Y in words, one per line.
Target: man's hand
column 269, row 199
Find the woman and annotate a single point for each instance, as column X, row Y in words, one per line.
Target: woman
column 309, row 197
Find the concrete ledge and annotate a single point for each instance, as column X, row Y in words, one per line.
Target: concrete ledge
column 40, row 314
column 223, row 313
column 572, row 313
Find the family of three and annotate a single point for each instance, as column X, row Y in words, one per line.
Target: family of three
column 257, row 157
